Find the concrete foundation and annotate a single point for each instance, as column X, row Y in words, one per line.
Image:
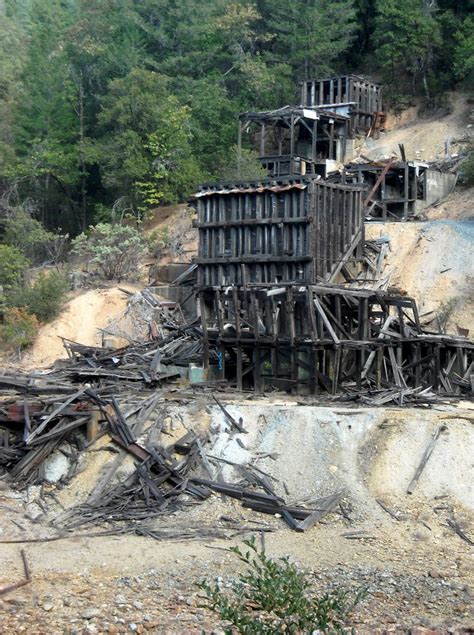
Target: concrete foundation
column 437, row 186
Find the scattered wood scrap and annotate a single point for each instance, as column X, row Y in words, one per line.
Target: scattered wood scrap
column 390, row 512
column 424, row 460
column 457, row 529
column 17, row 585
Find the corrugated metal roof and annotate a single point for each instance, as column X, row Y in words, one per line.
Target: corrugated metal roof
column 252, row 190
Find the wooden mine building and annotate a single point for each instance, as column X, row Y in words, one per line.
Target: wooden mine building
column 289, row 230
column 271, row 251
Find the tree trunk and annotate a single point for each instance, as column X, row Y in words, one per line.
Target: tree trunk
column 83, row 219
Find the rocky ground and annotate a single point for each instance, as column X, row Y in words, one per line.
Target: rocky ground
column 419, row 574
column 396, row 602
column 418, row 577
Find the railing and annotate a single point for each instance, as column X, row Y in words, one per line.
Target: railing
column 284, row 165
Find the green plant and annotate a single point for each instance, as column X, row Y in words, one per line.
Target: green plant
column 13, row 265
column 18, row 329
column 467, row 169
column 26, row 233
column 44, row 297
column 241, row 165
column 274, row 596
column 114, row 249
column 158, row 240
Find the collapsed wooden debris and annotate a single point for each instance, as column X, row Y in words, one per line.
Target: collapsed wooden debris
column 358, row 344
column 43, row 414
column 361, row 344
column 399, row 189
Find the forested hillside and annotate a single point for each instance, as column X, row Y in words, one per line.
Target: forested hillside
column 111, row 106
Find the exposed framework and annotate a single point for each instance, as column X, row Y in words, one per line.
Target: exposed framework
column 312, row 338
column 398, row 190
column 296, row 141
column 363, row 95
column 277, row 230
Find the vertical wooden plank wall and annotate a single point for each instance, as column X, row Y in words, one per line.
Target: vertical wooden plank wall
column 270, row 236
column 337, row 90
column 338, row 222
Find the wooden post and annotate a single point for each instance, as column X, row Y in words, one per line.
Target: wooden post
column 239, row 366
column 93, row 425
column 205, row 343
column 292, row 142
column 406, row 191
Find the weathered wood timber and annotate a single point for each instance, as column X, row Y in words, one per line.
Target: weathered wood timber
column 311, row 337
column 288, row 230
column 358, row 96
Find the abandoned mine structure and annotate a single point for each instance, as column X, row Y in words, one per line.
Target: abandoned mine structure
column 357, row 97
column 273, row 252
column 399, row 190
column 297, row 141
column 288, row 230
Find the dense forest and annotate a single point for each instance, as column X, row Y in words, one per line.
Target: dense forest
column 109, row 107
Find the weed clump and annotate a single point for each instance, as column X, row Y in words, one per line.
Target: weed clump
column 274, row 596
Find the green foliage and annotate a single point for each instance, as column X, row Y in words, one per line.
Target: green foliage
column 114, row 249
column 467, row 169
column 406, row 34
column 244, row 166
column 146, row 148
column 311, row 37
column 463, row 62
column 13, row 265
column 26, row 233
column 44, row 297
column 18, row 329
column 118, row 100
column 12, row 56
column 158, row 240
column 274, row 596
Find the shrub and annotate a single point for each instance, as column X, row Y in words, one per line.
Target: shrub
column 18, row 330
column 273, row 596
column 44, row 297
column 466, row 169
column 245, row 166
column 158, row 240
column 114, row 249
column 13, row 265
column 27, row 234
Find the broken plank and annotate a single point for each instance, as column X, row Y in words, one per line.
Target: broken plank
column 54, row 414
column 237, row 425
column 424, row 460
column 318, row 514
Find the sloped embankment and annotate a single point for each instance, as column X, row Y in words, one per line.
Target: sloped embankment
column 80, row 321
column 312, row 451
column 432, row 261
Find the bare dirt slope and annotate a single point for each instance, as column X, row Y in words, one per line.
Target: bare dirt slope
column 172, row 225
column 79, row 321
column 424, row 138
column 433, row 262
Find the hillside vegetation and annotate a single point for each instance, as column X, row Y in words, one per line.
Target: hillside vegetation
column 110, row 108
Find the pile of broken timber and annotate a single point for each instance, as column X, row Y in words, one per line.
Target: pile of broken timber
column 40, row 416
column 149, row 362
